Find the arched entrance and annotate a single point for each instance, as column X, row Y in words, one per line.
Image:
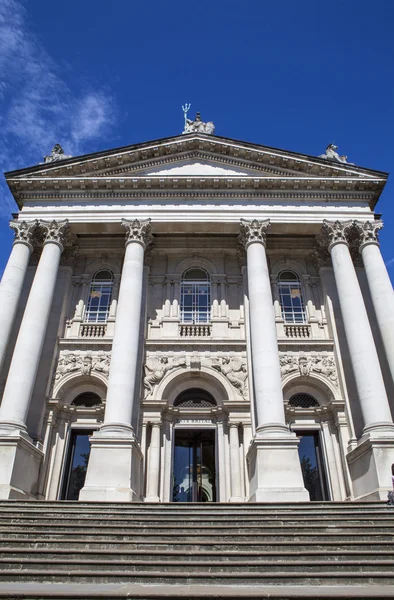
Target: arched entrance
column 194, row 458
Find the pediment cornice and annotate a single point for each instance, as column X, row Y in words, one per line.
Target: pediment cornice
column 126, row 170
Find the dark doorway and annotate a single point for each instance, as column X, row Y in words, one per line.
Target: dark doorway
column 194, row 474
column 76, row 463
column 311, row 460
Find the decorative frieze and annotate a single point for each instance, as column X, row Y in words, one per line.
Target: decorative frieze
column 306, row 364
column 232, row 367
column 82, row 362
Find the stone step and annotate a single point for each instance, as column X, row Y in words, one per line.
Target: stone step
column 192, row 536
column 193, row 528
column 333, row 577
column 72, row 566
column 326, row 555
column 45, row 521
column 184, row 546
column 113, row 591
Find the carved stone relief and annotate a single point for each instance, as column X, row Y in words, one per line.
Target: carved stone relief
column 307, row 364
column 83, row 362
column 232, row 367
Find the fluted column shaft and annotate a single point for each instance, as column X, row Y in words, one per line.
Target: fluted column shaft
column 13, row 279
column 379, row 284
column 27, row 353
column 123, row 371
column 265, row 354
column 362, row 350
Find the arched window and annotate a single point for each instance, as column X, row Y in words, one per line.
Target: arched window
column 303, row 401
column 195, row 398
column 291, row 301
column 195, row 296
column 87, row 399
column 100, row 295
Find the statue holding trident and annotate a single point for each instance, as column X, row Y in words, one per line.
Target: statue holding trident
column 196, row 126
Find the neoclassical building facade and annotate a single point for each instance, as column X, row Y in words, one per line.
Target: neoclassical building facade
column 196, row 319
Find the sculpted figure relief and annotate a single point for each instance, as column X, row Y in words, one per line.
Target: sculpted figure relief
column 325, row 365
column 83, row 362
column 155, row 369
column 235, row 371
column 57, row 153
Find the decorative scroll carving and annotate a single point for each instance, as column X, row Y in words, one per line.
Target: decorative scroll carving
column 235, row 370
column 253, row 231
column 57, row 232
column 57, row 153
column 368, row 232
column 24, row 232
column 138, row 231
column 331, row 154
column 333, row 232
column 321, row 257
column 155, row 369
column 307, row 364
column 83, row 363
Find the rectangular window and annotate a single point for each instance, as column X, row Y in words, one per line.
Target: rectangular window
column 99, row 301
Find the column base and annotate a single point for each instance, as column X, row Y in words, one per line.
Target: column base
column 20, row 463
column 370, row 464
column 274, row 467
column 114, row 471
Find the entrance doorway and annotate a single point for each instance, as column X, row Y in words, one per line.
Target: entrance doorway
column 194, row 473
column 76, row 463
column 312, row 467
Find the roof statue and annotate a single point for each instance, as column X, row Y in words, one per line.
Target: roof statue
column 331, row 154
column 56, row 154
column 196, row 126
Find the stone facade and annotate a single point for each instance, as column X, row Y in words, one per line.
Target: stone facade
column 204, row 294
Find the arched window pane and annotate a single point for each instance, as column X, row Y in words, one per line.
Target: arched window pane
column 87, row 399
column 195, row 296
column 291, row 300
column 195, row 398
column 100, row 295
column 303, row 401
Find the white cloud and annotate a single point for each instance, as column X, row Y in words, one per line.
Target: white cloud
column 390, row 262
column 37, row 107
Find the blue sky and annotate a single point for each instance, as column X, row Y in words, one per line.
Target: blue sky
column 290, row 74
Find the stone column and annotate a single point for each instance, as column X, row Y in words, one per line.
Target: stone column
column 235, row 464
column 273, row 456
column 19, row 457
column 13, row 279
column 379, row 284
column 153, row 474
column 374, row 454
column 114, row 470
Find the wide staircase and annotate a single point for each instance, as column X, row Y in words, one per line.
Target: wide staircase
column 100, row 550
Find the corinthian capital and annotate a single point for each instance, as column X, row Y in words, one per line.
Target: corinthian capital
column 253, row 231
column 24, row 232
column 55, row 232
column 334, row 232
column 138, row 231
column 368, row 232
